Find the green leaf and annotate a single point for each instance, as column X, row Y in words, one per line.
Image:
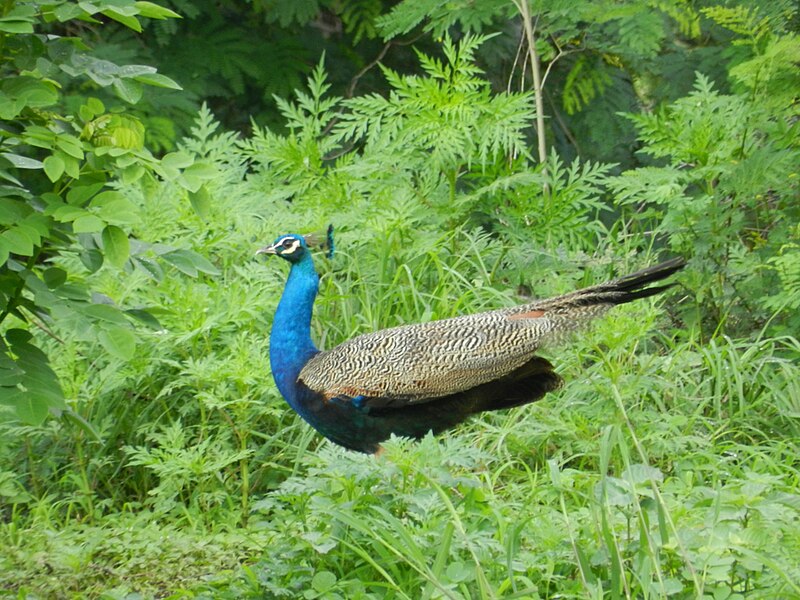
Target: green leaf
column 24, row 11
column 54, row 167
column 201, row 170
column 4, row 252
column 118, row 341
column 114, row 208
column 81, row 193
column 104, row 312
column 70, row 145
column 27, row 406
column 72, row 167
column 39, row 390
column 459, row 571
column 121, row 131
column 38, row 223
column 54, row 277
column 67, row 12
column 154, row 11
column 10, row 373
column 323, row 581
column 67, row 213
column 195, row 174
column 132, row 71
column 145, row 317
column 638, row 473
column 158, row 80
column 91, row 109
column 16, row 25
column 29, row 91
column 128, row 89
column 105, row 197
column 9, row 108
column 17, row 337
column 201, row 201
column 22, row 162
column 129, row 21
column 30, row 231
column 132, row 173
column 177, row 160
column 120, row 212
column 151, row 267
column 116, row 245
column 12, row 211
column 190, row 262
column 83, row 424
column 92, row 259
column 88, row 224
column 18, row 241
column 180, row 261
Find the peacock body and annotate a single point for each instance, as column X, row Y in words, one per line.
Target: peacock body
column 412, row 379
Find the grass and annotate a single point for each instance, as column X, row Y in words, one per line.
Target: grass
column 667, row 467
column 647, row 476
column 116, row 555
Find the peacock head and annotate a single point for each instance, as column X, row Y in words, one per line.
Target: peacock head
column 291, row 247
column 294, row 247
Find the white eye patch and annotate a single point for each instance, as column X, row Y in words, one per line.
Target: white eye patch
column 288, row 245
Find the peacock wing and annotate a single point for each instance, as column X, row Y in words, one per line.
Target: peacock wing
column 419, row 363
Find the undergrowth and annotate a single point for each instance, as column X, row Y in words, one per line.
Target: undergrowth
column 666, row 467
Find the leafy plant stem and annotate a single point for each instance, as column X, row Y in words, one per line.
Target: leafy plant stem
column 244, row 471
column 88, row 492
column 34, row 480
column 660, row 499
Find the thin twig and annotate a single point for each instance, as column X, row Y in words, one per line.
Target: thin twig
column 32, row 318
column 354, row 81
column 516, row 62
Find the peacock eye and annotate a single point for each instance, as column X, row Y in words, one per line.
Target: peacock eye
column 287, row 243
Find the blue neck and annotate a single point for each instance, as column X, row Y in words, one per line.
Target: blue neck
column 290, row 345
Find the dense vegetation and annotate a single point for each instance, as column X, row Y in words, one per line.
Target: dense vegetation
column 499, row 150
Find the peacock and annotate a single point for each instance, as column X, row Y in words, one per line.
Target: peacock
column 427, row 377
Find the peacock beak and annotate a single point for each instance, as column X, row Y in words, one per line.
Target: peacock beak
column 267, row 250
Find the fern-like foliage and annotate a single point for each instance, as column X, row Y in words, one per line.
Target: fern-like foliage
column 360, row 17
column 440, row 150
column 787, row 264
column 753, row 22
column 588, row 78
column 773, row 72
column 785, row 299
column 287, row 12
column 682, row 12
column 450, row 115
column 727, row 196
column 440, row 17
column 297, row 159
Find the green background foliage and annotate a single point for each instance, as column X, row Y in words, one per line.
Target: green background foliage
column 147, row 150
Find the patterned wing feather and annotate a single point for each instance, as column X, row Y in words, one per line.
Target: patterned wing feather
column 417, row 363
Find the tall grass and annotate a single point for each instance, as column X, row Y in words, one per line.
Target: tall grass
column 666, row 467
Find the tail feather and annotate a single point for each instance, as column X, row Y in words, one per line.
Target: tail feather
column 635, row 281
column 618, row 291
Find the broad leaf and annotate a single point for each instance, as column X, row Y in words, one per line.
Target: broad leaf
column 116, row 245
column 118, row 341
